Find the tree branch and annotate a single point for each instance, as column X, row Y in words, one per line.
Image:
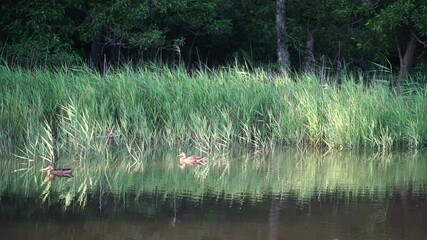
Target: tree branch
column 424, row 43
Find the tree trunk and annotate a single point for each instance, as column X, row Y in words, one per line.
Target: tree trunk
column 96, row 52
column 308, row 60
column 282, row 47
column 407, row 61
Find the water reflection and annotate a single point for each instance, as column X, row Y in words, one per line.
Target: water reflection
column 303, row 175
column 238, row 195
column 156, row 216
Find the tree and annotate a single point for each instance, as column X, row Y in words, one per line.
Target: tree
column 39, row 32
column 282, row 47
column 400, row 26
column 322, row 30
column 113, row 31
column 157, row 29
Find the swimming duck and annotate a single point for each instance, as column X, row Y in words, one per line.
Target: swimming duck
column 59, row 172
column 190, row 160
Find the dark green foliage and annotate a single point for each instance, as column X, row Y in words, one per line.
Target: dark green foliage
column 39, row 33
column 388, row 26
column 346, row 32
column 46, row 33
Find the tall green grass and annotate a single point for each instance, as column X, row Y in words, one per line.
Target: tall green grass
column 208, row 109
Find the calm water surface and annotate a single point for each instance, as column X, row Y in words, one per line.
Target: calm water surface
column 278, row 195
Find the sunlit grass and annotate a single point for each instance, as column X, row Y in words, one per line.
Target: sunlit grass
column 209, row 109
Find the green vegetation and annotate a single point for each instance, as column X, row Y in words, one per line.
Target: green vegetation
column 76, row 109
column 159, row 75
column 344, row 33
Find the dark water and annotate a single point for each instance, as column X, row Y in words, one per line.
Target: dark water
column 337, row 199
column 153, row 217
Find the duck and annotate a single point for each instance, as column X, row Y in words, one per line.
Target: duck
column 190, row 160
column 59, row 172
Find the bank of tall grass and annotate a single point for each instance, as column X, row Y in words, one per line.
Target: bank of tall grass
column 78, row 108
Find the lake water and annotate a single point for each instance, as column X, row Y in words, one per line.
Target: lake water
column 281, row 194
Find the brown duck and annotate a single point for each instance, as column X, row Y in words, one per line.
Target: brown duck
column 59, row 172
column 190, row 160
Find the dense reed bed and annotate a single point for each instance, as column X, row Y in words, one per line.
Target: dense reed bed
column 79, row 109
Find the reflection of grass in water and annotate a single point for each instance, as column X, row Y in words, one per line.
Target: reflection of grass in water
column 236, row 175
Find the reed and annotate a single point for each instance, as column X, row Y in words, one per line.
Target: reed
column 214, row 109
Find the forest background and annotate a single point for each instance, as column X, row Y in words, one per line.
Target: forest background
column 350, row 34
